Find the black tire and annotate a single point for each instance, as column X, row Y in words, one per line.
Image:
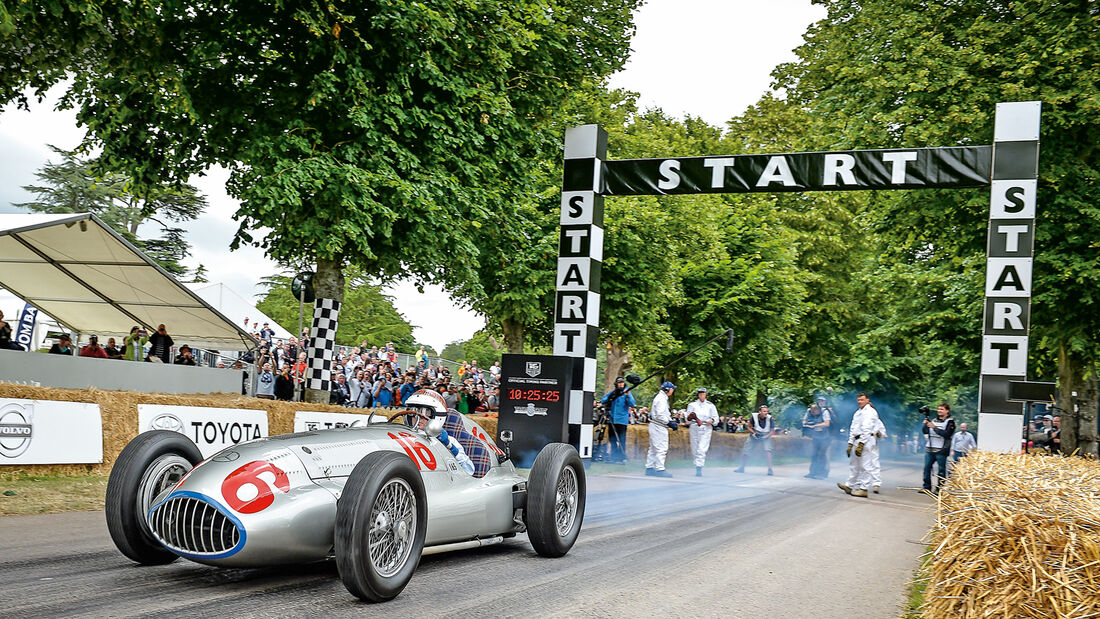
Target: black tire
column 362, row 511
column 149, row 464
column 555, row 500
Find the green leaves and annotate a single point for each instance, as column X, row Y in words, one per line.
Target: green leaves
column 366, row 314
column 383, row 134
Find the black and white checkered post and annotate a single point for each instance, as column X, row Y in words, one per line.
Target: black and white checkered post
column 580, row 259
column 1010, row 253
column 322, row 344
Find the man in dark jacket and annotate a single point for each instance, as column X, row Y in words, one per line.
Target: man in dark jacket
column 160, row 345
column 938, row 438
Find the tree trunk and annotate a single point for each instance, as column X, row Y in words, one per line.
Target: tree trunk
column 1067, row 386
column 1077, row 399
column 328, row 283
column 513, row 335
column 1087, row 395
column 618, row 361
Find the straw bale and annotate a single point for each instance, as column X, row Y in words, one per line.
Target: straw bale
column 1016, row 536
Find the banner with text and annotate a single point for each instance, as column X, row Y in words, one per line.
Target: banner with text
column 910, row 168
column 48, row 432
column 212, row 429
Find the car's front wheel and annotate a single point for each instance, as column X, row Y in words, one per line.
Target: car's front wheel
column 150, row 464
column 381, row 520
column 555, row 500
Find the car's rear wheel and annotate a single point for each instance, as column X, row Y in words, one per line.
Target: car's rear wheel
column 555, row 500
column 147, row 466
column 381, row 520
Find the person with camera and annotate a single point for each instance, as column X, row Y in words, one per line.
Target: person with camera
column 618, row 403
column 761, row 428
column 134, row 344
column 185, row 356
column 660, row 419
column 861, row 439
column 815, row 425
column 265, row 383
column 702, row 417
column 160, row 346
column 93, row 349
column 938, row 433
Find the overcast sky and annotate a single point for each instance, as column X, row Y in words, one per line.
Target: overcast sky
column 706, row 58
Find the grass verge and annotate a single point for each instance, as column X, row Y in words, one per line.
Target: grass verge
column 50, row 494
column 916, row 588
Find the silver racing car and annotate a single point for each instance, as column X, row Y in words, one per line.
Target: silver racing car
column 375, row 497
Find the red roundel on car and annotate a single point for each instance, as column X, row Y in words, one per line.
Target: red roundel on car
column 249, row 489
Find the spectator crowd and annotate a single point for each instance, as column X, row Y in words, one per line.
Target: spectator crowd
column 139, row 345
column 371, row 376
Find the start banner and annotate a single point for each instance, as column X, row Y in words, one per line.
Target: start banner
column 212, row 429
column 49, row 432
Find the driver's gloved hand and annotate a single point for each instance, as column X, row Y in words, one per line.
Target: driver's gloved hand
column 465, row 462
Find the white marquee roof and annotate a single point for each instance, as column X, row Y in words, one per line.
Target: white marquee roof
column 90, row 279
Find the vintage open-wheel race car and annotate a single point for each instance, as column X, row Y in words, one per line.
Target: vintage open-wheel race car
column 374, row 497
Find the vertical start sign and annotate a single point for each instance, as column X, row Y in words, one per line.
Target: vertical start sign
column 534, row 390
column 1010, row 251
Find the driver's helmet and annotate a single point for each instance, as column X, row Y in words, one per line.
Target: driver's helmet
column 428, row 402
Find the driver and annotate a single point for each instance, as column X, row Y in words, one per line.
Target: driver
column 431, row 404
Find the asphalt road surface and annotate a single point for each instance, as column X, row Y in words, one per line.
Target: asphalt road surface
column 724, row 545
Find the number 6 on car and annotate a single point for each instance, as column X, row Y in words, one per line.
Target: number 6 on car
column 356, row 494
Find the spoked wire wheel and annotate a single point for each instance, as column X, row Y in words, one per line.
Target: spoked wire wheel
column 381, row 521
column 392, row 519
column 555, row 500
column 565, row 501
column 163, row 473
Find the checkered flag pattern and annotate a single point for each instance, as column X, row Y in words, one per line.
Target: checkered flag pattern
column 577, row 287
column 322, row 344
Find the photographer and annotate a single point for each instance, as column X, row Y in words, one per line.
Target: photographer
column 618, row 403
column 938, row 433
column 160, row 346
column 815, row 425
column 659, row 419
column 185, row 356
column 133, row 344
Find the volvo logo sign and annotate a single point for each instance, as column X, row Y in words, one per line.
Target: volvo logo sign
column 16, row 429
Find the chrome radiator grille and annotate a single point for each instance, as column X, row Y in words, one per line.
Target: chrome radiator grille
column 193, row 526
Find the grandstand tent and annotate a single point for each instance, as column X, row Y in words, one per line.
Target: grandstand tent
column 79, row 271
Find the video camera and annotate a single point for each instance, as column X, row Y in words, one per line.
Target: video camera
column 926, row 411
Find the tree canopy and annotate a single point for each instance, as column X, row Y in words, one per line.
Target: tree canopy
column 79, row 185
column 367, row 315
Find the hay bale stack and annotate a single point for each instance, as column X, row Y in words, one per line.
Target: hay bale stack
column 1017, row 536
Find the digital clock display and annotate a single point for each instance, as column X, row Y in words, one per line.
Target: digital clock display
column 535, row 395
